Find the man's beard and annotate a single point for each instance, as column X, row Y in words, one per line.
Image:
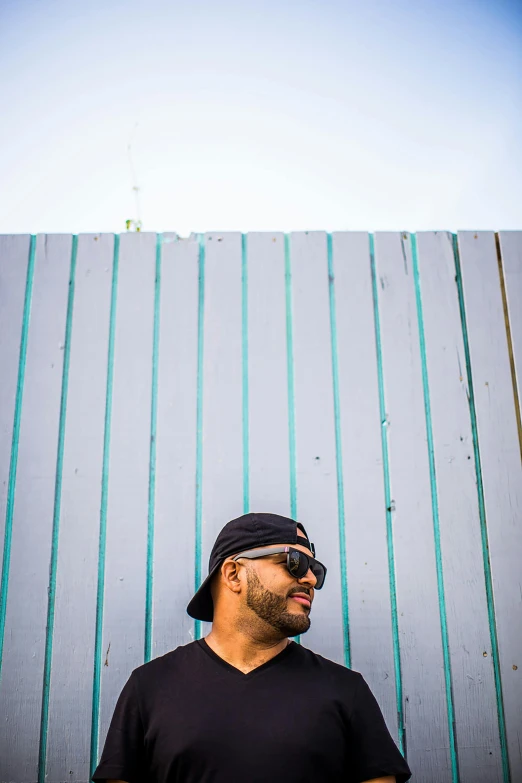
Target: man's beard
column 271, row 608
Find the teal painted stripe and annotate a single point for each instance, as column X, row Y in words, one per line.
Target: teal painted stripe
column 199, row 424
column 387, row 496
column 338, row 454
column 44, row 719
column 152, row 456
column 290, row 381
column 244, row 316
column 290, row 377
column 436, row 519
column 95, row 722
column 8, row 533
column 506, row 775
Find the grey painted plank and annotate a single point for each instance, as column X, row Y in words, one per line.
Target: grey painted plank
column 511, row 254
column 127, row 512
column 176, row 445
column 267, row 375
column 14, row 258
column 419, row 625
column 476, row 717
column 500, row 461
column 366, row 548
column 77, row 567
column 24, row 649
column 315, row 432
column 222, row 477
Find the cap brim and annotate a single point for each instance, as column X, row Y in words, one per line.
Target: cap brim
column 201, row 606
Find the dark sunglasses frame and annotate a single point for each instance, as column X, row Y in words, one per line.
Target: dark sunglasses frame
column 298, row 563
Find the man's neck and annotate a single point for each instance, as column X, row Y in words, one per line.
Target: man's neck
column 242, row 650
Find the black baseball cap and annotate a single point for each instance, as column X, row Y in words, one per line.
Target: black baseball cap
column 249, row 531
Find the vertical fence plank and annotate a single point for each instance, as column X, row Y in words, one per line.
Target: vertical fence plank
column 77, row 565
column 14, row 261
column 222, row 477
column 24, row 648
column 127, row 513
column 511, row 259
column 427, row 742
column 476, row 717
column 501, row 471
column 173, row 586
column 371, row 639
column 267, row 374
column 315, row 432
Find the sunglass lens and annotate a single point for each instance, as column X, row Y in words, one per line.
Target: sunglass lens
column 299, row 563
column 296, row 564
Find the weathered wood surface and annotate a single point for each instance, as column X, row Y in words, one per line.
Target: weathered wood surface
column 370, row 620
column 77, row 566
column 510, row 244
column 476, row 718
column 501, row 469
column 21, row 684
column 14, row 261
column 175, row 502
column 268, row 435
column 328, row 380
column 316, row 480
column 221, row 391
column 417, row 599
column 123, row 638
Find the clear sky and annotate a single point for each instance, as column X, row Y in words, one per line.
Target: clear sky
column 250, row 115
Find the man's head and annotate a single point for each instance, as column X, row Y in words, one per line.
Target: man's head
column 262, row 572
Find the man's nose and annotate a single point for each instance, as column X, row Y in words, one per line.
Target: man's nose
column 308, row 579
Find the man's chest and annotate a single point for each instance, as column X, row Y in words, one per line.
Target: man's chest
column 266, row 731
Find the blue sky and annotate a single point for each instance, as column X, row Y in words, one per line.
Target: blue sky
column 260, row 115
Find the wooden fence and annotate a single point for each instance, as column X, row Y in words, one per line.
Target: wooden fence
column 154, row 387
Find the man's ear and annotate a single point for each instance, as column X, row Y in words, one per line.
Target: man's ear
column 230, row 575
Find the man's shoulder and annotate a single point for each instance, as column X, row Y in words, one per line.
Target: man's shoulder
column 173, row 662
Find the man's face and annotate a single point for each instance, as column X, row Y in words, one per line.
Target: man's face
column 276, row 596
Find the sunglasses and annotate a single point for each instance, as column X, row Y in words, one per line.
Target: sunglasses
column 297, row 562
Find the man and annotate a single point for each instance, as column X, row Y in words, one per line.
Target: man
column 246, row 703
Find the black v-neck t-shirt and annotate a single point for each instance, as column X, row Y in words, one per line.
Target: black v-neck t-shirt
column 190, row 717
